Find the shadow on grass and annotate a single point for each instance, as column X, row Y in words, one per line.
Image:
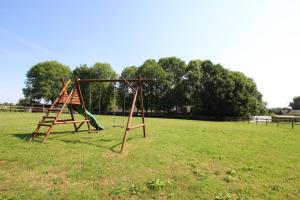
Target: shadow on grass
column 26, row 136
column 96, row 143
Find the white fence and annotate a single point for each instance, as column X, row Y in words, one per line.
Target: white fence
column 266, row 119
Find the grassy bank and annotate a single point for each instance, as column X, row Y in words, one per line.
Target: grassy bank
column 179, row 159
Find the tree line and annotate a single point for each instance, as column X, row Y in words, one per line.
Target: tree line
column 197, row 87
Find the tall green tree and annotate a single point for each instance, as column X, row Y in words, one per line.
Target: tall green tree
column 103, row 94
column 152, row 91
column 97, row 96
column 295, row 104
column 214, row 91
column 43, row 80
column 192, row 83
column 225, row 93
column 84, row 72
column 125, row 93
column 174, row 94
column 246, row 100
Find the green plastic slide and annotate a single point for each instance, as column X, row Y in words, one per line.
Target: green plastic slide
column 93, row 120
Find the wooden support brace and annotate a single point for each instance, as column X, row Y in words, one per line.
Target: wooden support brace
column 142, row 105
column 78, row 127
column 70, row 122
column 128, row 122
column 137, row 126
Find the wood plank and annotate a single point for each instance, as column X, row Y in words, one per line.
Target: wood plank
column 70, row 122
column 137, row 126
column 45, row 125
column 113, row 80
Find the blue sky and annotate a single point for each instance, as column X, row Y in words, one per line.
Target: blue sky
column 260, row 38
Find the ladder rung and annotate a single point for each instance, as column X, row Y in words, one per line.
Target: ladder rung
column 54, row 109
column 52, row 117
column 44, row 124
column 70, row 122
column 49, row 121
column 64, row 120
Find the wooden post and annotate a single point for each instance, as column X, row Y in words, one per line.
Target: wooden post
column 82, row 101
column 90, row 98
column 72, row 117
column 142, row 105
column 99, row 106
column 128, row 122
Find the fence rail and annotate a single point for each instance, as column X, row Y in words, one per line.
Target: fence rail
column 33, row 109
column 10, row 108
column 183, row 116
column 41, row 109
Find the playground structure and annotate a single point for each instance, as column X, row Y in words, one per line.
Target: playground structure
column 73, row 100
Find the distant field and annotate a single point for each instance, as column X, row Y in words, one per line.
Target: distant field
column 179, row 159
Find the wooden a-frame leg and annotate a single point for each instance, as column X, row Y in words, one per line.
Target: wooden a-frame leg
column 78, row 127
column 57, row 116
column 72, row 117
column 37, row 129
column 82, row 102
column 142, row 106
column 88, row 124
column 47, row 134
column 34, row 133
column 128, row 122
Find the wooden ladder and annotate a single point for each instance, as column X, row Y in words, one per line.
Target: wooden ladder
column 50, row 121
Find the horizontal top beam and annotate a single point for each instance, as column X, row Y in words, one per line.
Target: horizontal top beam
column 113, row 80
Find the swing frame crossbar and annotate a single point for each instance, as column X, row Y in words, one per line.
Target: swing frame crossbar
column 114, row 80
column 138, row 93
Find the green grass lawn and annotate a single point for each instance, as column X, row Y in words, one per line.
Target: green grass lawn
column 179, row 159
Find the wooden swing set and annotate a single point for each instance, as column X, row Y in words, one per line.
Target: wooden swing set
column 73, row 100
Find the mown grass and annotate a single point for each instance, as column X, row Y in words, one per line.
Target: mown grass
column 179, row 159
